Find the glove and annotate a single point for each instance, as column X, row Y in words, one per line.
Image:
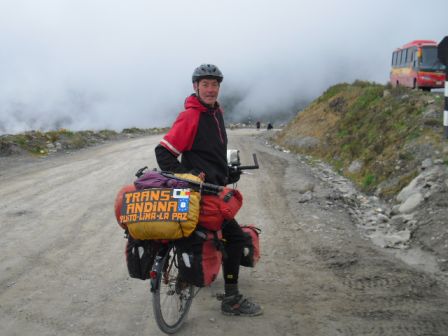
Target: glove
column 234, row 175
column 198, row 173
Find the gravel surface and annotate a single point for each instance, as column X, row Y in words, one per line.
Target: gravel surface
column 62, row 268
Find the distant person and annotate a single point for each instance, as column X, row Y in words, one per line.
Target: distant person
column 258, row 125
column 270, row 126
column 199, row 134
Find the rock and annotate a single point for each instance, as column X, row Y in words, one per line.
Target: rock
column 355, row 167
column 306, row 197
column 338, row 104
column 8, row 148
column 407, row 191
column 305, row 187
column 402, row 222
column 383, row 218
column 335, row 195
column 396, row 239
column 432, row 113
column 411, row 203
column 427, row 163
column 431, row 174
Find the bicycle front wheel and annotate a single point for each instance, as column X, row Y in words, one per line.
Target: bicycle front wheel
column 173, row 297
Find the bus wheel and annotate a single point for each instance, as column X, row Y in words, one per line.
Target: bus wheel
column 427, row 89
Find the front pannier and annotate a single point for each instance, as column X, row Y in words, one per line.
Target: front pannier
column 199, row 257
column 140, row 255
column 215, row 209
column 251, row 252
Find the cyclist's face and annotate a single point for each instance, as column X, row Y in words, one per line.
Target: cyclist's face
column 207, row 90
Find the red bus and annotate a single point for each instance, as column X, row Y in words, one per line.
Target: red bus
column 416, row 65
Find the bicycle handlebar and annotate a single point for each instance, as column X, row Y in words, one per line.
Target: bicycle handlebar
column 201, row 185
column 254, row 166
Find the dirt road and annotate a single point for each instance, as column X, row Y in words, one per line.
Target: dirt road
column 62, row 269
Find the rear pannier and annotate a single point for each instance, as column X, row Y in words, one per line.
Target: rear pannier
column 251, row 252
column 200, row 257
column 140, row 255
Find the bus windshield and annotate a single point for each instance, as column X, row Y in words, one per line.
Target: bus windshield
column 429, row 60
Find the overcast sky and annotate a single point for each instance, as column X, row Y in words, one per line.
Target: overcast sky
column 93, row 64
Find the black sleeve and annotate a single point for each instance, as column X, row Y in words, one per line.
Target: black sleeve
column 167, row 161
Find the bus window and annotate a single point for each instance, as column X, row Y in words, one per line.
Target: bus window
column 403, row 57
column 430, row 60
column 415, row 59
column 399, row 58
column 394, row 58
column 408, row 57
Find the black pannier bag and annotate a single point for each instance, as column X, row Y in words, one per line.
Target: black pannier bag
column 199, row 257
column 140, row 255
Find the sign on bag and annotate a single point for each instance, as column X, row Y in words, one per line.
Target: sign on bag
column 152, row 205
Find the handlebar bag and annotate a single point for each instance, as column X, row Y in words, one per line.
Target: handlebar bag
column 158, row 213
column 200, row 257
column 140, row 255
column 217, row 208
column 251, row 251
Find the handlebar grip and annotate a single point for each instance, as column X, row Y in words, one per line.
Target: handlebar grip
column 255, row 160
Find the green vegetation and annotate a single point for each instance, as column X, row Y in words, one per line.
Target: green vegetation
column 388, row 129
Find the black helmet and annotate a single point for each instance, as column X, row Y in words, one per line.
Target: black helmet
column 207, row 71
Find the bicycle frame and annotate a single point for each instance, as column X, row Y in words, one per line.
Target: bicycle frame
column 157, row 271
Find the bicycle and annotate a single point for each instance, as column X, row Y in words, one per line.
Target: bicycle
column 172, row 297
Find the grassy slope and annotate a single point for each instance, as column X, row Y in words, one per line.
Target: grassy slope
column 388, row 129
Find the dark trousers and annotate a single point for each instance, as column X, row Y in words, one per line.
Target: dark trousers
column 234, row 245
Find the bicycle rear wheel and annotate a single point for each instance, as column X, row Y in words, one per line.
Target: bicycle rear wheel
column 172, row 298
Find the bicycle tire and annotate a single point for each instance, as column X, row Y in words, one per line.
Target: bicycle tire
column 172, row 299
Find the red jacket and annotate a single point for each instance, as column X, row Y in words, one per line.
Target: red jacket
column 199, row 134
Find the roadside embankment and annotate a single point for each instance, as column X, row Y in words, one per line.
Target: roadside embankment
column 45, row 143
column 390, row 143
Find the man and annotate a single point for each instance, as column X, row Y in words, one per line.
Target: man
column 199, row 134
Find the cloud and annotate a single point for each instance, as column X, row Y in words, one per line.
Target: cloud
column 92, row 64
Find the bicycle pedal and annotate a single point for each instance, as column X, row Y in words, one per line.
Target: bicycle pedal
column 220, row 296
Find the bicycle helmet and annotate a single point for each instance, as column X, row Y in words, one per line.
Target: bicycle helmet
column 207, row 71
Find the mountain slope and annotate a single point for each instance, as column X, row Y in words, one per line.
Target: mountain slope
column 374, row 134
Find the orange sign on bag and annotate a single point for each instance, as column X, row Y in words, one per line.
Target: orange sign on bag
column 151, row 205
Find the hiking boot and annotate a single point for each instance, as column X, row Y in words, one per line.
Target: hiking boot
column 238, row 305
